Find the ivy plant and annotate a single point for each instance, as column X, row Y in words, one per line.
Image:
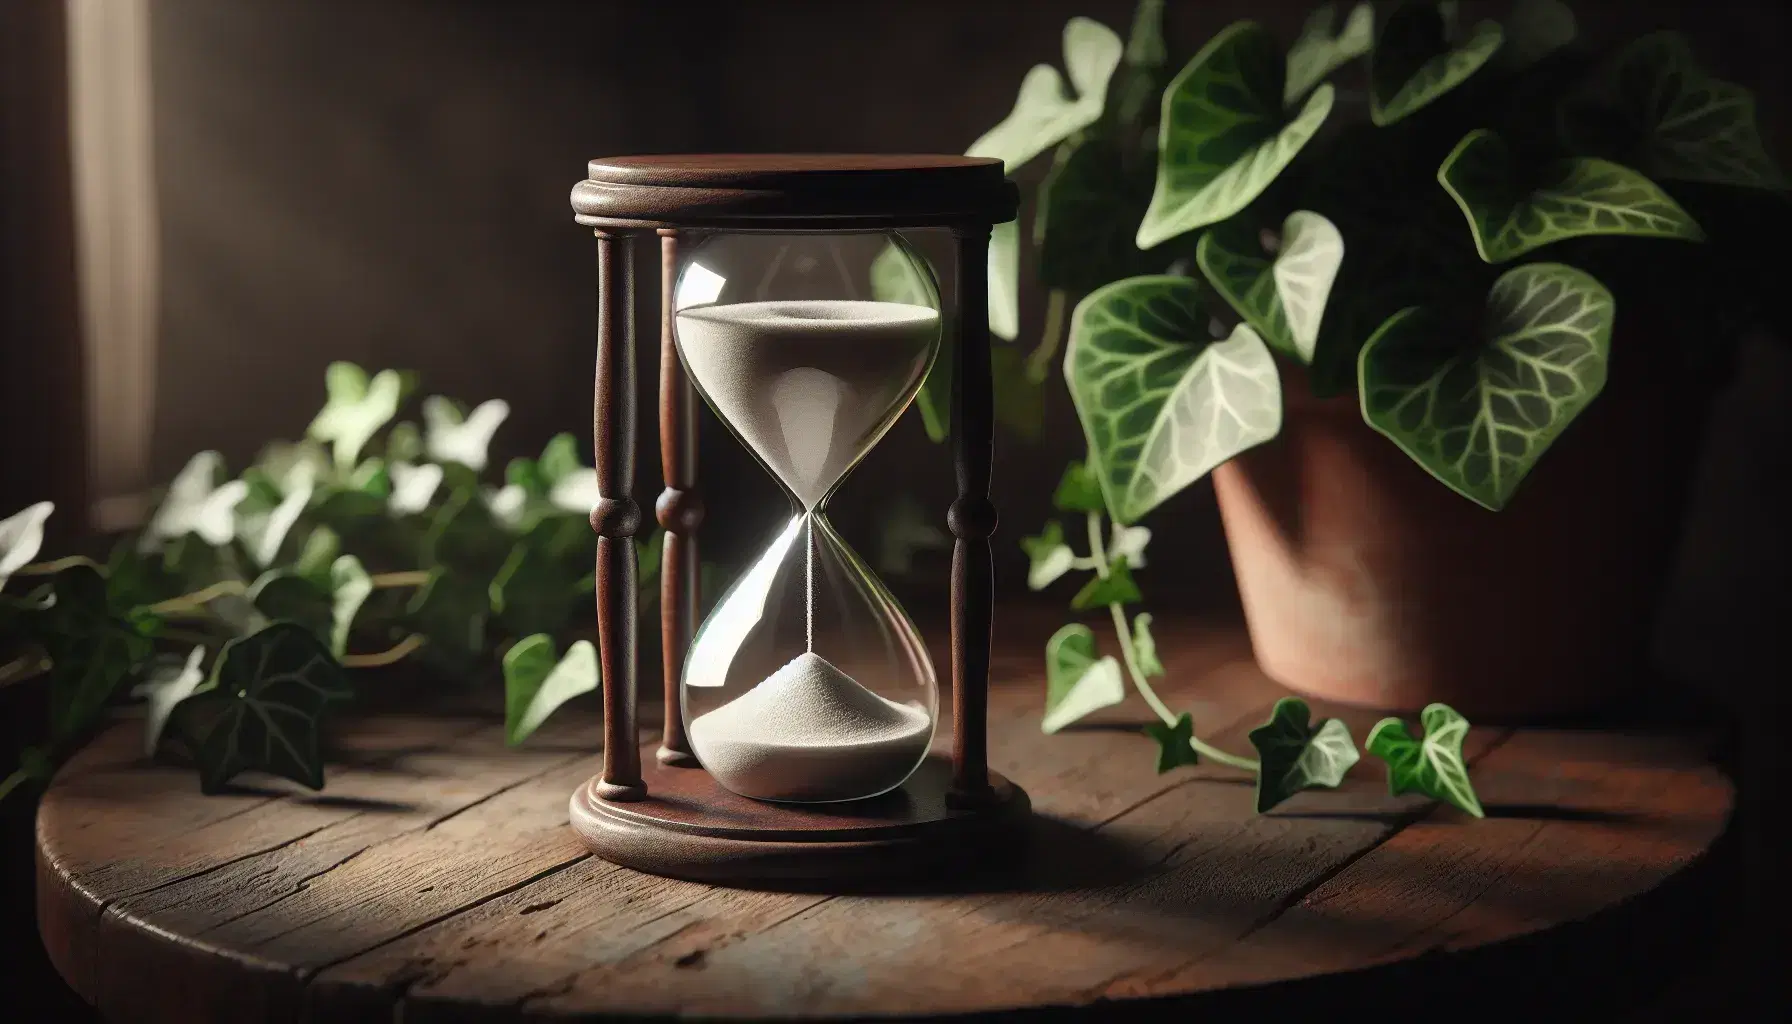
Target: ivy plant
column 1446, row 217
column 247, row 610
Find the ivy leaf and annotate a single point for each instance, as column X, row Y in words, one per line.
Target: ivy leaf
column 1317, row 53
column 1224, row 136
column 1047, row 555
column 1415, row 61
column 1077, row 683
column 559, row 457
column 1433, row 766
column 1175, row 743
column 265, row 532
column 1534, row 30
column 1088, row 207
column 1117, row 587
column 165, row 687
column 899, row 274
column 1045, row 113
column 1478, row 413
column 448, row 436
column 355, row 410
column 463, row 534
column 1004, row 281
column 92, row 649
column 451, row 609
column 1510, row 216
column 404, row 443
column 1144, row 646
column 1295, row 754
column 413, row 487
column 1078, row 490
column 534, row 590
column 535, row 684
column 1652, row 107
column 1129, row 542
column 285, row 596
column 1161, row 403
column 319, row 552
column 21, row 537
column 1281, row 295
column 349, row 587
column 197, row 504
column 264, row 707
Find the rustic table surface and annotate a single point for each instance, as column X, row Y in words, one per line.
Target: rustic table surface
column 436, row 878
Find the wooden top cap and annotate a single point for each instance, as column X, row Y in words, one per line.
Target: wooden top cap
column 821, row 191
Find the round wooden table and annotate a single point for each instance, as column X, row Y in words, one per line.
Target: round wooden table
column 435, row 878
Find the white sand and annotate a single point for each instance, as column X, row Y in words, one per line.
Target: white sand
column 809, row 385
column 811, row 733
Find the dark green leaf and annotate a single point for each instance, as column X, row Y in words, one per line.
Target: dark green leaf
column 1116, row 587
column 1175, row 746
column 463, row 535
column 1652, row 107
column 1078, row 491
column 264, row 708
column 1510, row 214
column 1283, row 294
column 1161, row 402
column 404, row 443
column 526, row 473
column 536, row 589
column 1296, row 754
column 1224, row 136
column 92, row 649
column 1141, row 77
column 1433, row 766
column 1415, row 60
column 560, row 457
column 286, row 596
column 1478, row 412
column 1076, row 681
column 451, row 611
column 1317, row 53
column 319, row 552
column 1088, row 208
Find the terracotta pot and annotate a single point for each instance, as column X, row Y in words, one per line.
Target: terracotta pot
column 1365, row 581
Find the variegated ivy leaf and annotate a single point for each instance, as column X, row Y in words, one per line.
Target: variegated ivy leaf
column 1004, row 281
column 1433, row 766
column 1295, row 754
column 1044, row 113
column 413, row 486
column 1048, row 556
column 196, row 503
column 1534, row 30
column 1077, row 683
column 1417, row 59
column 1318, row 52
column 1088, row 208
column 1477, row 413
column 356, row 409
column 264, row 531
column 1078, row 490
column 1510, row 214
column 21, row 537
column 349, row 587
column 576, row 492
column 1281, row 294
column 1224, row 136
column 450, row 437
column 535, row 683
column 1129, row 542
column 1160, row 401
column 166, row 686
column 1652, row 107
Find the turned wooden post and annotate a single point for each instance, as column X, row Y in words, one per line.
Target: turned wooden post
column 972, row 520
column 680, row 511
column 616, row 515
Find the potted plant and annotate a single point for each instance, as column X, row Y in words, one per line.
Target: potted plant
column 1420, row 253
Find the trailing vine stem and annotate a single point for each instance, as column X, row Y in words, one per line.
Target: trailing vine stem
column 1040, row 360
column 1123, row 632
column 12, row 782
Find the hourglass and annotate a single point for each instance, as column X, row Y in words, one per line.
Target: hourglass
column 800, row 716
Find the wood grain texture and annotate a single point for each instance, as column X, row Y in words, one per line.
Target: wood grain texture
column 436, row 878
column 798, row 190
column 680, row 514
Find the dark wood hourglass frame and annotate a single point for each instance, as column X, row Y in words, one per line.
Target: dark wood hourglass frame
column 662, row 813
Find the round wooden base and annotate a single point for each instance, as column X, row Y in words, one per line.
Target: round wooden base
column 689, row 827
